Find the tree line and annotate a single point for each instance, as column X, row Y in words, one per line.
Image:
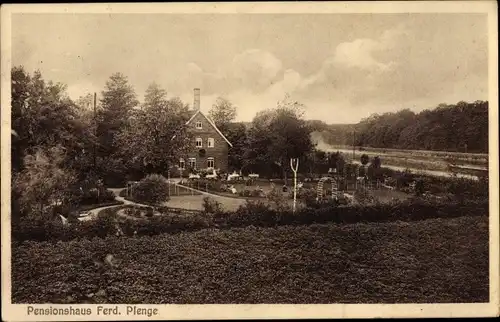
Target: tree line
column 461, row 127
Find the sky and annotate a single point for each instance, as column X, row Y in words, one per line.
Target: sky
column 342, row 67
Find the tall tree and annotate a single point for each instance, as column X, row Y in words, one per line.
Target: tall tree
column 156, row 137
column 116, row 105
column 43, row 116
column 280, row 134
column 222, row 113
column 236, row 133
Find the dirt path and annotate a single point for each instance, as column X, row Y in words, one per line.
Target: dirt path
column 193, row 202
column 93, row 213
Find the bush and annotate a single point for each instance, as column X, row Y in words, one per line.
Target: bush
column 123, row 193
column 211, row 206
column 153, row 189
column 149, row 212
column 256, row 213
column 91, row 197
column 364, row 197
column 277, row 199
column 244, row 193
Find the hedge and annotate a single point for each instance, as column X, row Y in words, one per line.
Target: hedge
column 251, row 214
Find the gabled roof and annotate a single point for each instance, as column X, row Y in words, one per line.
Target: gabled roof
column 211, row 123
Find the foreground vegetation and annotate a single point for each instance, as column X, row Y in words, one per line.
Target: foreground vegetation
column 436, row 260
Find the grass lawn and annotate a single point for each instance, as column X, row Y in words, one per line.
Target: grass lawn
column 436, row 260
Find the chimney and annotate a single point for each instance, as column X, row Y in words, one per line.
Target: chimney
column 196, row 104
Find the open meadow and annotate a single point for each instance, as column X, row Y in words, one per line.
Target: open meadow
column 436, row 161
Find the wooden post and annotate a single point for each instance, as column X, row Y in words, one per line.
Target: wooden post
column 294, row 169
column 168, row 178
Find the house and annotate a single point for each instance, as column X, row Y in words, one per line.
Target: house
column 209, row 145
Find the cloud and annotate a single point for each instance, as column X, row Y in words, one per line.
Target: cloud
column 359, row 53
column 255, row 69
column 342, row 67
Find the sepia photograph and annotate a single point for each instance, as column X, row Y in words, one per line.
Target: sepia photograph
column 225, row 154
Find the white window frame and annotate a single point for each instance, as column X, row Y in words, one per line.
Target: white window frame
column 208, row 163
column 200, row 141
column 210, row 143
column 192, row 163
column 199, row 125
column 182, row 164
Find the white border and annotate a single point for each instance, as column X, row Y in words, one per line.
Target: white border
column 12, row 312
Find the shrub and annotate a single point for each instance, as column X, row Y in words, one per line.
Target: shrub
column 123, row 193
column 152, row 189
column 91, row 197
column 277, row 199
column 211, row 206
column 256, row 193
column 419, row 187
column 364, row 197
column 245, row 193
column 149, row 212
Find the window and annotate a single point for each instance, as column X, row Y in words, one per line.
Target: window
column 199, row 142
column 182, row 164
column 210, row 143
column 192, row 163
column 198, row 125
column 210, row 163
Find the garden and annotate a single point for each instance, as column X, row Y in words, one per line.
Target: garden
column 417, row 250
column 440, row 260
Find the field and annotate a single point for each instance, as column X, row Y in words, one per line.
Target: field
column 435, row 162
column 434, row 260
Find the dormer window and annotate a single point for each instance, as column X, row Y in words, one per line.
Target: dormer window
column 199, row 125
column 199, row 142
column 210, row 142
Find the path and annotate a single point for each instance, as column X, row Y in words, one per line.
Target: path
column 93, row 213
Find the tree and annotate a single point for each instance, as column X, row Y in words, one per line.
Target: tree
column 364, row 159
column 448, row 127
column 222, row 113
column 44, row 181
column 236, row 133
column 42, row 116
column 374, row 169
column 116, row 107
column 85, row 102
column 279, row 134
column 156, row 136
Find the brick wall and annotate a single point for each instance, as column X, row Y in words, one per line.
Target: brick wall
column 220, row 150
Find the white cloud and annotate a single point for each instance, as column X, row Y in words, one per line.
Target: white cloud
column 255, row 68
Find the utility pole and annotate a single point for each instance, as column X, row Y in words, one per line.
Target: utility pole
column 353, row 145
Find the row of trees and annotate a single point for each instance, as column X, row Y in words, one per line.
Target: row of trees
column 462, row 127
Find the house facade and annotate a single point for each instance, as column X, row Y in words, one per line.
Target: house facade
column 209, row 145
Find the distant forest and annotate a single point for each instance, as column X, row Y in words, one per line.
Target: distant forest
column 456, row 128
